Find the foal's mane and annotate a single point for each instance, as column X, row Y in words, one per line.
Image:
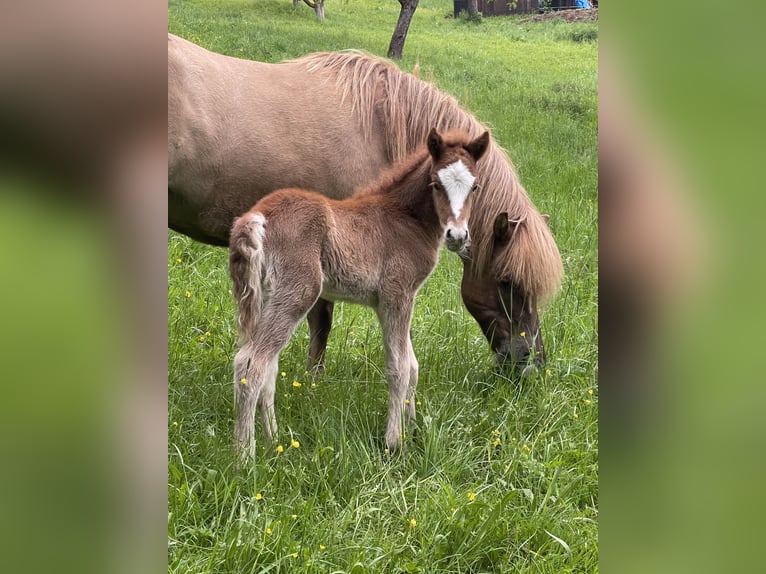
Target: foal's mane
column 407, row 108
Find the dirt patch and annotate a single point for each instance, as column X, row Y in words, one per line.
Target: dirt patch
column 568, row 15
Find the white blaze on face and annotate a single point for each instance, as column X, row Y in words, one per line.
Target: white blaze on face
column 457, row 181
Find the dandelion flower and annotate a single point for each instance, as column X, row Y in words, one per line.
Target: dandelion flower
column 175, row 423
column 523, row 334
column 178, row 260
column 496, row 442
column 207, row 333
column 313, row 385
column 576, row 416
column 413, row 523
column 587, row 401
column 297, row 385
column 283, row 374
column 294, row 517
column 385, row 451
column 590, row 392
column 202, row 339
column 322, row 546
column 280, row 448
column 418, row 403
column 496, row 432
column 295, row 555
column 268, row 531
column 471, row 496
column 507, row 466
column 294, row 443
column 188, row 294
column 243, row 381
column 548, row 372
column 258, row 496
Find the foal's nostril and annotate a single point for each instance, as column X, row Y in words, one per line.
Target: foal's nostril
column 449, row 234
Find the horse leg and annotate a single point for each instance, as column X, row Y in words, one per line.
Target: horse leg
column 395, row 321
column 276, row 325
column 320, row 322
column 410, row 400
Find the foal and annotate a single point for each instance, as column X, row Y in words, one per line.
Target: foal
column 375, row 248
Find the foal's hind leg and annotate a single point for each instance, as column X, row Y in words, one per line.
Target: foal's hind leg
column 320, row 323
column 280, row 317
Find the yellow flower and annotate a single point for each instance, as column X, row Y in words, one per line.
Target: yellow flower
column 496, row 432
column 471, row 496
column 385, row 451
column 452, row 510
column 526, row 448
column 202, row 339
column 295, row 555
column 313, row 385
column 294, row 517
column 283, row 374
column 587, row 401
column 507, row 466
column 280, row 448
column 513, row 438
column 406, row 401
column 243, row 381
column 413, row 523
column 188, row 294
column 178, row 260
column 576, row 416
column 175, row 423
column 523, row 333
column 207, row 333
column 418, row 403
column 322, row 546
column 294, row 443
column 297, row 385
column 258, row 496
column 268, row 531
column 496, row 442
column 590, row 392
column 548, row 372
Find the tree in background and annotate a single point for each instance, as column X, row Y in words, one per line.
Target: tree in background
column 396, row 46
column 317, row 5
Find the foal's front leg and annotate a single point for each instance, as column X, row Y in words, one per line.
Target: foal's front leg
column 395, row 321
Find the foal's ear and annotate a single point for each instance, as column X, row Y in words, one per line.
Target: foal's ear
column 478, row 146
column 435, row 144
column 503, row 228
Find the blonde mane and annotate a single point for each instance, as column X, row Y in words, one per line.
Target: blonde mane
column 407, row 108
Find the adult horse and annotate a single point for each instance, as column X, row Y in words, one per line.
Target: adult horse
column 239, row 129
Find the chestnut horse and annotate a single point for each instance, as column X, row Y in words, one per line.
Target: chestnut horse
column 239, row 129
column 374, row 248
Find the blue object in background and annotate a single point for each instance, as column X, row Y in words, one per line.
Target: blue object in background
column 582, row 4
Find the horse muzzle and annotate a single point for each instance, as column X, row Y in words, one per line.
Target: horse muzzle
column 456, row 239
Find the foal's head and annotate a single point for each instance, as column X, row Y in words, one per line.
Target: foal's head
column 453, row 178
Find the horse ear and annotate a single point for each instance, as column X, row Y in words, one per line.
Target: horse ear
column 478, row 146
column 435, row 144
column 501, row 227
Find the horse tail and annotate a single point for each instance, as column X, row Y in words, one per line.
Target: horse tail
column 246, row 265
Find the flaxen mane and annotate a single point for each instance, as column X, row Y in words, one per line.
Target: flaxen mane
column 407, row 108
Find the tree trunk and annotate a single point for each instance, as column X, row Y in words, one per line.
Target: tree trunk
column 402, row 26
column 317, row 5
column 473, row 8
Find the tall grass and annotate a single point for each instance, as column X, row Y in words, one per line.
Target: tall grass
column 500, row 474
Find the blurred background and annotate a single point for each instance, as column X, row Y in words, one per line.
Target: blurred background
column 83, row 236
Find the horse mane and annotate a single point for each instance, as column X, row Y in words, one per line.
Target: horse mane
column 407, row 108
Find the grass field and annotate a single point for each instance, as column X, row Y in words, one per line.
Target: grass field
column 500, row 474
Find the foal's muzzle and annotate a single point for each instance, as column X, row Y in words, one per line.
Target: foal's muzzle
column 456, row 238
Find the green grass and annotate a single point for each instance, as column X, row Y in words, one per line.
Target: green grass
column 337, row 503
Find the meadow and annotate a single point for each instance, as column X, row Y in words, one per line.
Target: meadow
column 500, row 473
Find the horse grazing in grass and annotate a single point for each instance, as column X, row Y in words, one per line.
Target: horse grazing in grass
column 238, row 129
column 375, row 248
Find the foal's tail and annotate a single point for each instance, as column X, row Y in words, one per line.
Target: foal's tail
column 246, row 265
